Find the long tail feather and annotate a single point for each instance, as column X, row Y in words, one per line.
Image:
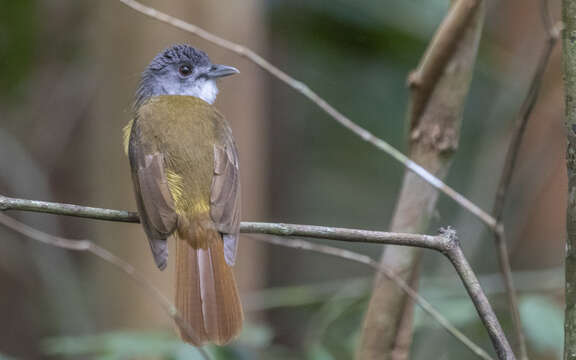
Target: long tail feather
column 206, row 292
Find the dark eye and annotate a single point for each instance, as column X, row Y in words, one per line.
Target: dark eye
column 185, row 70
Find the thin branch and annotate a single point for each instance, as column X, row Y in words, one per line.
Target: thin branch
column 343, row 234
column 311, row 231
column 441, row 49
column 521, row 122
column 8, row 203
column 107, row 256
column 470, row 281
column 319, row 101
column 511, row 296
column 552, row 35
column 445, row 243
column 364, row 259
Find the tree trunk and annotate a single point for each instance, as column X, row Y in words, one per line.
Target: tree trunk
column 569, row 48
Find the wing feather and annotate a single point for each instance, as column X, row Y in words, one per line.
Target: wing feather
column 225, row 193
column 153, row 197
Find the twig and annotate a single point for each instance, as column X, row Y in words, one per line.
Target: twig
column 7, row 203
column 440, row 50
column 107, row 256
column 444, row 243
column 311, row 231
column 364, row 259
column 343, row 234
column 319, row 101
column 521, row 122
column 454, row 252
column 552, row 34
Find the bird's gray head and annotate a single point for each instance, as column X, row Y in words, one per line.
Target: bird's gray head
column 182, row 70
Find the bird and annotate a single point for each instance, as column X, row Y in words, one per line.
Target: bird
column 185, row 174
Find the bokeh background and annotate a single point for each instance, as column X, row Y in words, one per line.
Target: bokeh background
column 68, row 71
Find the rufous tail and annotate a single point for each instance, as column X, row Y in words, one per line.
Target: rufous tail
column 206, row 293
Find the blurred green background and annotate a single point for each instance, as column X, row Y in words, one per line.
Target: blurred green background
column 68, row 71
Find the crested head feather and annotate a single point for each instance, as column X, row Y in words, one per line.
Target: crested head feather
column 177, row 54
column 161, row 76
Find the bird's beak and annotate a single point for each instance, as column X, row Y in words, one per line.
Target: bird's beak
column 217, row 71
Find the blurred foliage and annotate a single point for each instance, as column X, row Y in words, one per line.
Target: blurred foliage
column 18, row 29
column 6, row 357
column 332, row 333
column 543, row 320
column 335, row 310
column 121, row 345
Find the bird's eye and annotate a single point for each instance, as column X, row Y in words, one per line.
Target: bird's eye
column 185, row 70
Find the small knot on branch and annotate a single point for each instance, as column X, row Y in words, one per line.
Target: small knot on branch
column 283, row 229
column 449, row 237
column 4, row 204
column 414, row 79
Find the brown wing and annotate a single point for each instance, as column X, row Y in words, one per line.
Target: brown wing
column 153, row 197
column 225, row 193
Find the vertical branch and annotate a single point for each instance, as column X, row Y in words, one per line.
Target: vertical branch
column 506, row 178
column 569, row 52
column 440, row 86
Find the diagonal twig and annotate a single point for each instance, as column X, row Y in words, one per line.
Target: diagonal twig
column 364, row 259
column 319, row 101
column 441, row 48
column 456, row 256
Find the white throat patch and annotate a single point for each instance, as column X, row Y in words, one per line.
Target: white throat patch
column 207, row 91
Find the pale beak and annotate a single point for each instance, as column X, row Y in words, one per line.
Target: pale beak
column 217, row 71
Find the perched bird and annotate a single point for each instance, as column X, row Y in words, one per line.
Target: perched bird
column 184, row 166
